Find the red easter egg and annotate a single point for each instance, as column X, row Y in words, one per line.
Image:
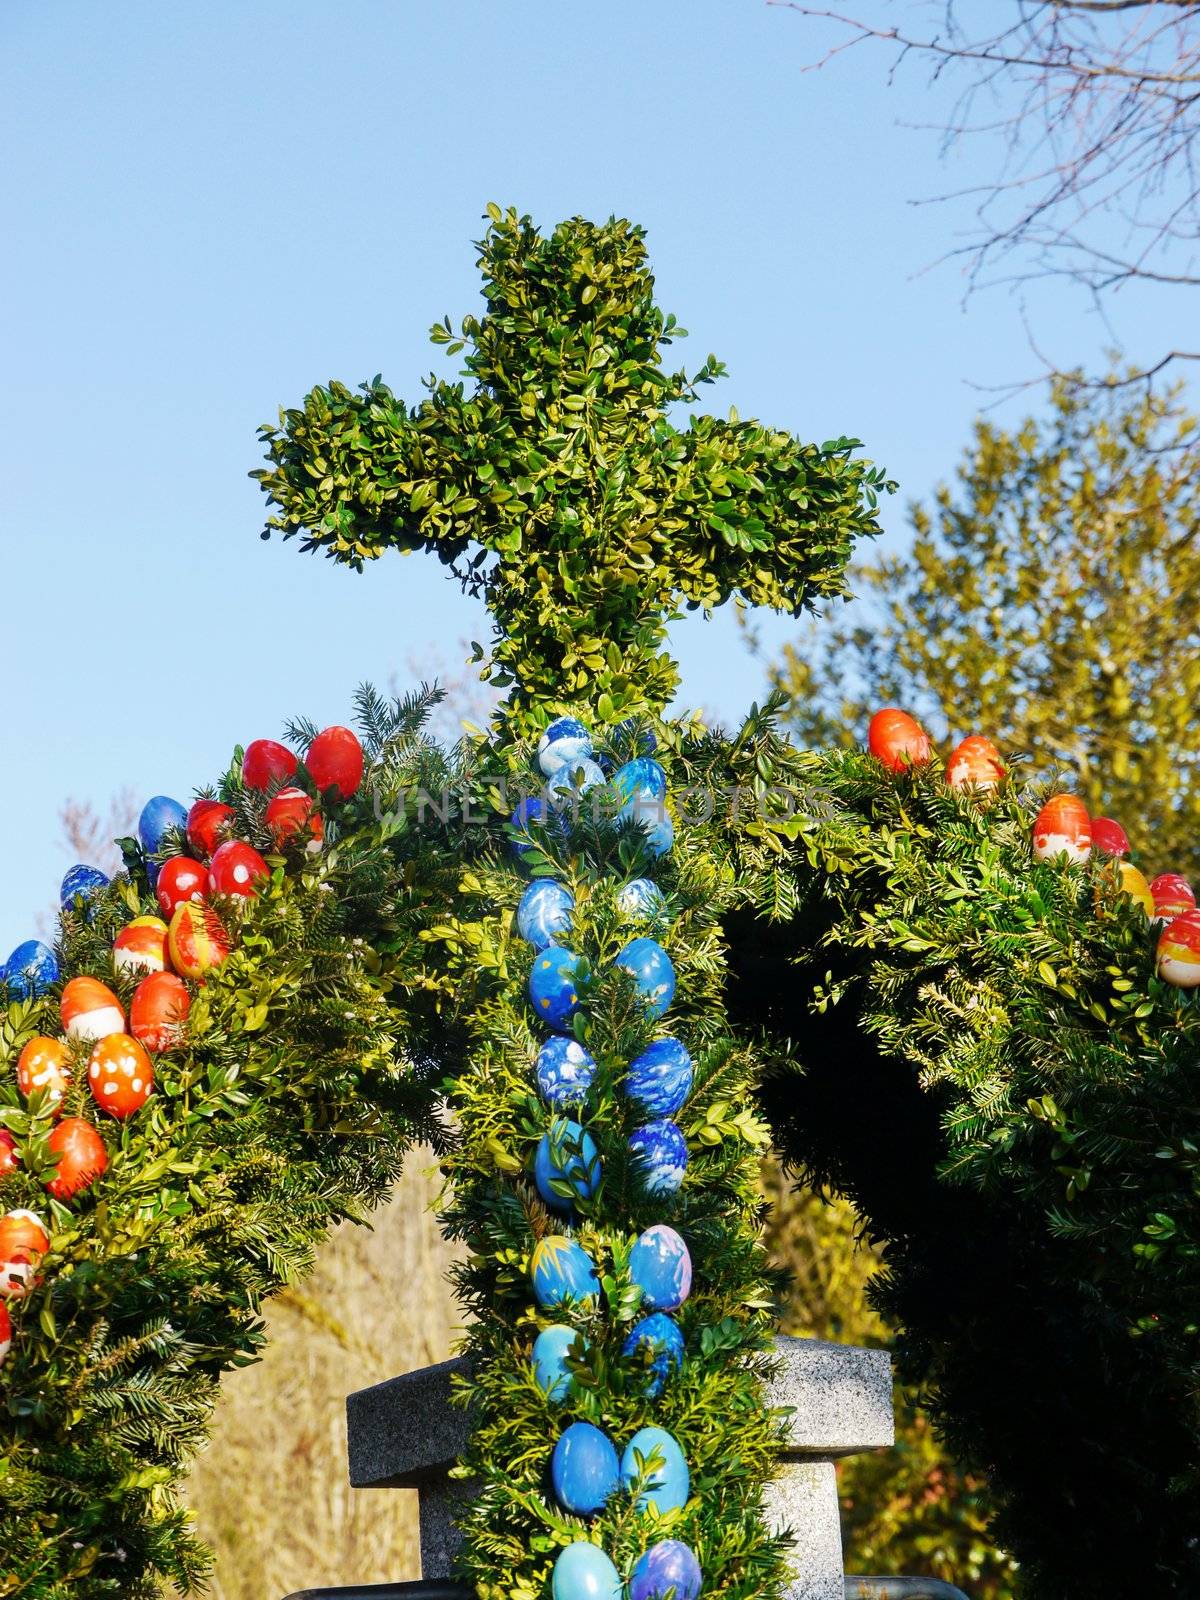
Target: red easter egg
column 158, row 1011
column 289, row 813
column 1179, row 951
column 1063, row 827
column 141, row 946
column 206, row 822
column 90, row 1010
column 898, row 740
column 44, row 1063
column 1172, row 895
column 120, row 1075
column 23, row 1242
column 235, row 868
column 82, row 1154
column 179, row 879
column 197, row 940
column 5, row 1333
column 975, row 764
column 267, row 761
column 8, row 1153
column 335, row 761
column 1109, row 837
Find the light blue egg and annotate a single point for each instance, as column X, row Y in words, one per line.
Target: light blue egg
column 660, row 1079
column 566, row 1155
column 566, row 739
column 661, row 1154
column 584, row 1572
column 668, row 1484
column 160, row 816
column 31, row 969
column 570, row 783
column 552, row 991
column 661, row 1266
column 81, row 882
column 652, row 971
column 667, row 1568
column 562, row 1273
column 584, row 1469
column 659, row 1335
column 641, row 776
column 564, row 1072
column 641, row 901
column 550, row 1351
column 543, row 911
column 649, row 812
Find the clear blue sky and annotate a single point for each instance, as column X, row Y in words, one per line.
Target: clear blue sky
column 207, row 208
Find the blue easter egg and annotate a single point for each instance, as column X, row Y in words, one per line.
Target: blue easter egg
column 566, row 1155
column 562, row 1271
column 652, row 971
column 573, row 779
column 668, row 1484
column 660, row 1079
column 81, row 882
column 31, row 969
column 566, row 739
column 659, row 1335
column 641, row 776
column 584, row 1572
column 564, row 1072
column 661, row 1266
column 584, row 1469
column 641, row 901
column 552, row 991
column 653, row 820
column 667, row 1568
column 529, row 820
column 550, row 1351
column 661, row 1154
column 159, row 816
column 544, row 910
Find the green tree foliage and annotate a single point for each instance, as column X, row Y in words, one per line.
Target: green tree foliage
column 1049, row 601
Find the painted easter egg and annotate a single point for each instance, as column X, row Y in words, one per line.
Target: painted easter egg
column 562, row 1273
column 550, row 1351
column 1179, row 951
column 583, row 1572
column 660, row 1155
column 120, row 1075
column 543, row 911
column 5, row 1333
column 661, row 1077
column 81, row 883
column 179, row 879
column 31, row 969
column 641, row 901
column 564, row 1071
column 161, row 816
column 1135, row 886
column 9, row 1160
column 566, row 739
column 669, row 1568
column 1109, row 837
column 668, row 1483
column 584, row 1469
column 290, row 813
column 661, row 1266
column 552, row 991
column 24, row 1240
column 528, row 822
column 649, row 813
column 44, row 1063
column 898, row 740
column 567, row 1165
column 235, row 868
column 573, row 779
column 335, row 761
column 1063, row 828
column 196, row 940
column 641, row 776
column 82, row 1157
column 975, row 764
column 1172, row 895
column 207, row 824
column 265, row 762
column 158, row 1011
column 656, row 1339
column 141, row 946
column 90, row 1010
column 652, row 971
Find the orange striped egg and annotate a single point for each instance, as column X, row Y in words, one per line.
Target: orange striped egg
column 1063, row 828
column 44, row 1064
column 197, row 941
column 975, row 764
column 1172, row 896
column 120, row 1075
column 23, row 1242
column 90, row 1010
column 141, row 946
column 1179, row 951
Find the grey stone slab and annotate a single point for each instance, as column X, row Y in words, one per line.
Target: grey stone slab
column 404, row 1432
column 803, row 1498
column 440, row 1502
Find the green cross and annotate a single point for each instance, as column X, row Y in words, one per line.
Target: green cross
column 561, row 481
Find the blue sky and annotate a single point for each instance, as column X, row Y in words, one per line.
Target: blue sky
column 208, row 208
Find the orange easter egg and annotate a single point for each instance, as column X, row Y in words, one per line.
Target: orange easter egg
column 898, row 740
column 1179, row 951
column 1063, row 828
column 90, row 1010
column 44, row 1063
column 120, row 1075
column 975, row 764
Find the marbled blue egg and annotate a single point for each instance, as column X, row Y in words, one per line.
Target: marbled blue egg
column 661, row 1266
column 567, row 1154
column 544, row 910
column 641, row 776
column 31, row 969
column 652, row 971
column 160, row 815
column 661, row 1077
column 566, row 739
column 552, row 991
column 81, row 882
column 661, row 1155
column 528, row 820
column 562, row 1273
column 584, row 1572
column 641, row 901
column 667, row 1568
column 550, row 1351
column 584, row 1469
column 564, row 1072
column 567, row 789
column 660, row 1335
column 668, row 1484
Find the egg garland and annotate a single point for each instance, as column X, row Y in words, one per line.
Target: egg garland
column 898, row 740
column 544, row 911
column 24, row 1240
column 81, row 884
column 584, row 1469
column 32, row 969
column 158, row 1011
column 1063, row 829
column 89, row 1010
column 44, row 1066
column 141, row 946
column 82, row 1157
column 120, row 1075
